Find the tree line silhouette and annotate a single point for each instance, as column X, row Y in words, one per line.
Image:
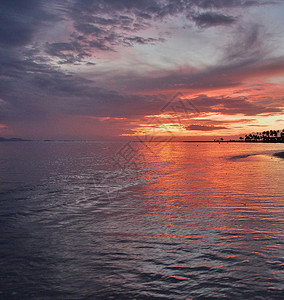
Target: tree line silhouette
column 269, row 136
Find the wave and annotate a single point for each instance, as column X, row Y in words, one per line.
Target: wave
column 266, row 153
column 241, row 156
column 279, row 154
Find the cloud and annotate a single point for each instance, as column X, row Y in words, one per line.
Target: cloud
column 224, row 122
column 211, row 78
column 205, row 128
column 233, row 106
column 248, row 44
column 210, row 19
column 220, row 4
column 102, row 18
column 129, row 41
column 91, row 29
column 121, row 19
column 20, row 20
column 35, row 91
column 245, row 56
column 67, row 52
column 16, row 28
column 39, row 79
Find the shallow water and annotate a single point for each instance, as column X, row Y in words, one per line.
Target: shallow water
column 98, row 220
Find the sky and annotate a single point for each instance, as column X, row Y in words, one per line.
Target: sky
column 110, row 69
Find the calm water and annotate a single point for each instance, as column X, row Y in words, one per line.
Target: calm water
column 158, row 220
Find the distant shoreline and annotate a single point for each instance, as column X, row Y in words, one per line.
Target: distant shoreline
column 2, row 139
column 14, row 139
column 236, row 141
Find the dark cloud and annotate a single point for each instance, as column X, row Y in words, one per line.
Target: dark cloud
column 210, row 19
column 245, row 56
column 67, row 52
column 152, row 9
column 129, row 41
column 233, row 106
column 79, row 47
column 229, row 73
column 20, row 20
column 106, row 33
column 220, row 4
column 91, row 29
column 204, row 127
column 121, row 18
column 221, row 123
column 144, row 16
column 100, row 45
column 247, row 45
column 34, row 88
column 36, row 91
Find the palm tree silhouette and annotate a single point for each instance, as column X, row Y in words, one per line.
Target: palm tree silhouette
column 268, row 136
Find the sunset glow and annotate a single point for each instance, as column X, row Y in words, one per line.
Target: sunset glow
column 141, row 149
column 103, row 69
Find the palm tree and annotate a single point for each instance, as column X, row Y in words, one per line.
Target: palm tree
column 269, row 136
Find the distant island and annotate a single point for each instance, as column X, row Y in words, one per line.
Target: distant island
column 2, row 139
column 269, row 136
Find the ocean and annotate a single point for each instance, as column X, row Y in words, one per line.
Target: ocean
column 117, row 220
